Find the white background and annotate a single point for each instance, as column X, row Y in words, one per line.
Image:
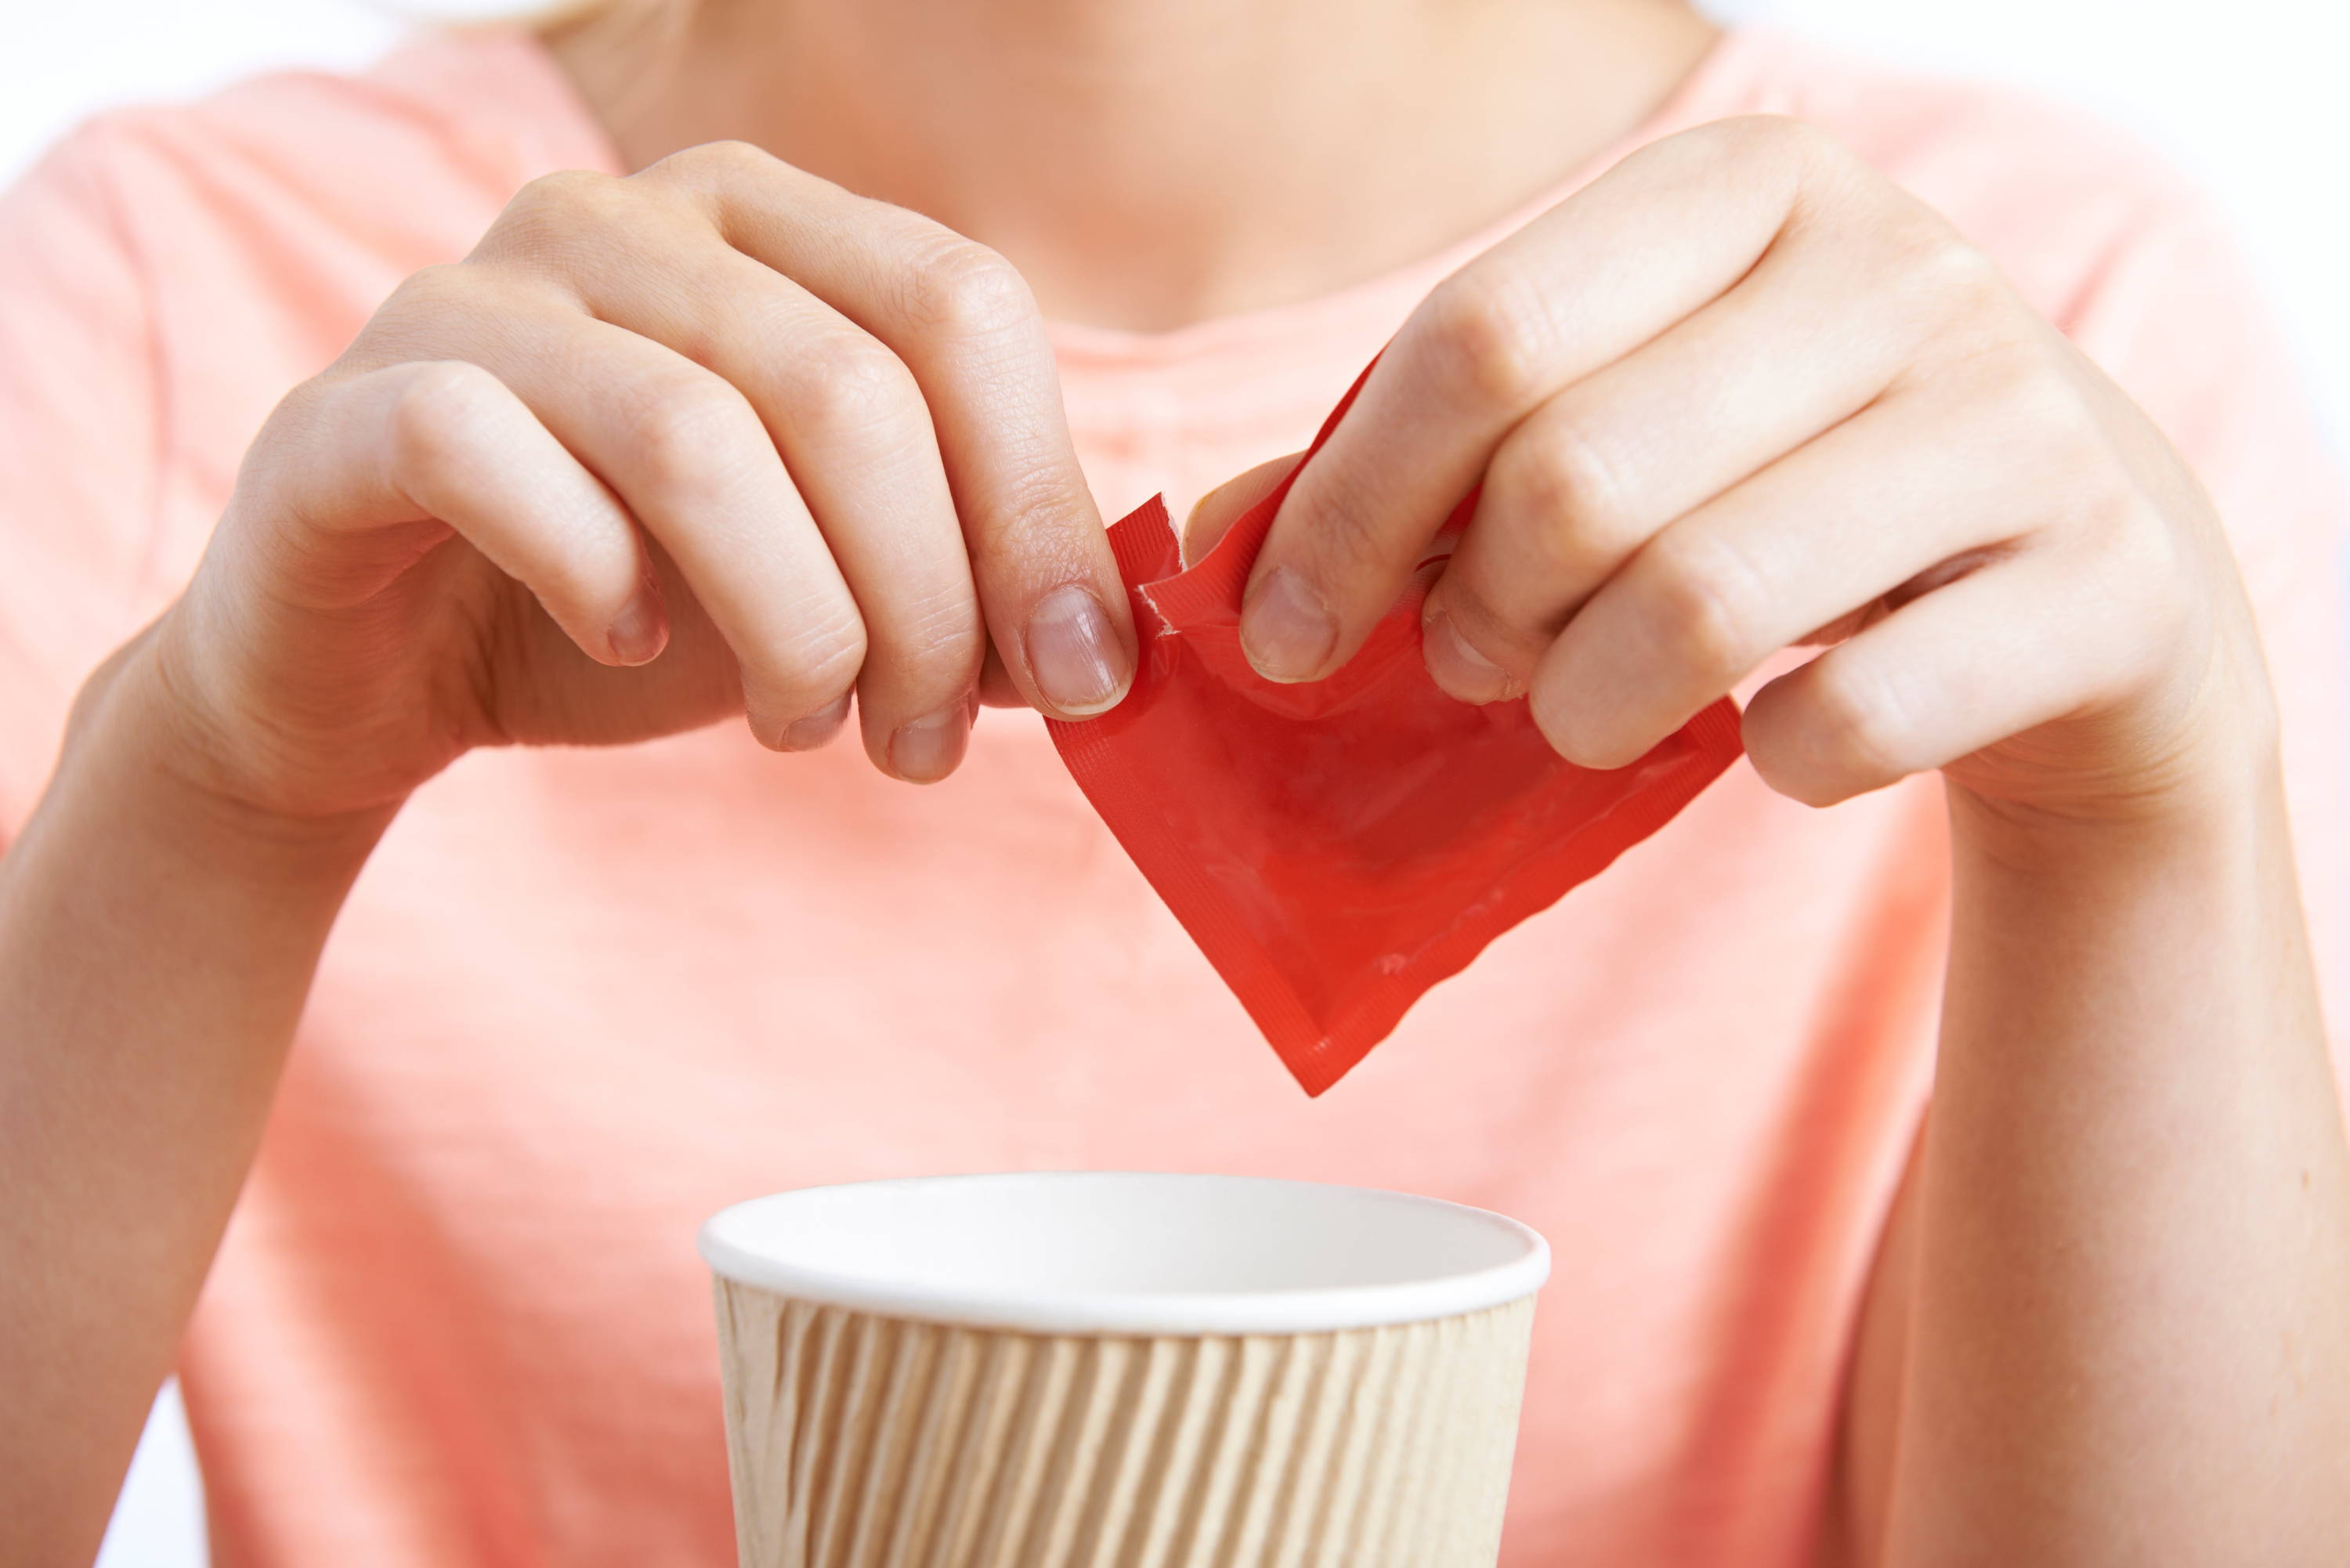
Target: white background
column 2246, row 96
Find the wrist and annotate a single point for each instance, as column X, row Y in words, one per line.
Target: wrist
column 137, row 752
column 2209, row 833
column 2188, row 774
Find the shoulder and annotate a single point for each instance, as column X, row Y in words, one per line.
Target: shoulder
column 2110, row 241
column 393, row 159
column 191, row 262
column 2059, row 195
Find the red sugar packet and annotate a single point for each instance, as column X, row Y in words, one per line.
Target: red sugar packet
column 1338, row 847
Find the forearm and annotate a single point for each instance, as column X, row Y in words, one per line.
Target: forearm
column 155, row 946
column 2129, row 1318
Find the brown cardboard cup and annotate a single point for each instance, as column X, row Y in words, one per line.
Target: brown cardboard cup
column 1084, row 1370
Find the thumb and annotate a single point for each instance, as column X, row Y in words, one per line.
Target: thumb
column 1214, row 514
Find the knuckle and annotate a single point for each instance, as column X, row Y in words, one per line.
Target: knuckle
column 2166, row 558
column 826, row 653
column 1710, row 601
column 1568, row 488
column 691, row 431
column 2015, row 377
column 959, row 288
column 436, row 412
column 1861, row 729
column 1744, row 134
column 2112, row 504
column 2037, row 413
column 2028, row 408
column 564, row 199
column 1943, row 265
column 711, row 164
column 1774, row 139
column 555, row 215
column 432, row 306
column 2161, row 578
column 1040, row 512
column 936, row 637
column 1487, row 339
column 732, row 155
column 432, row 290
column 1487, row 617
column 848, row 382
column 1335, row 533
column 815, row 664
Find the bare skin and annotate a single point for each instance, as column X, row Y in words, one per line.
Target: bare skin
column 724, row 438
column 1117, row 152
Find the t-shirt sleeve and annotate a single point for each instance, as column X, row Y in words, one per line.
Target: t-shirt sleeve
column 78, row 443
column 2176, row 316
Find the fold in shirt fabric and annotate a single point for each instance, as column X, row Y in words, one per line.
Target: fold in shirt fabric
column 1337, row 846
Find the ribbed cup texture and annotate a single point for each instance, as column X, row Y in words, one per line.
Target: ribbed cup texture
column 861, row 1441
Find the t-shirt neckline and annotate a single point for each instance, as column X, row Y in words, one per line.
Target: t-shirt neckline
column 559, row 129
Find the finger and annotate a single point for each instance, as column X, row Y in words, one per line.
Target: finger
column 1594, row 473
column 1840, row 523
column 689, row 458
column 2006, row 649
column 1213, row 516
column 858, row 442
column 447, row 443
column 995, row 687
column 1665, row 231
column 965, row 324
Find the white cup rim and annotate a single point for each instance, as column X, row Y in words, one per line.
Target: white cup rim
column 1497, row 1258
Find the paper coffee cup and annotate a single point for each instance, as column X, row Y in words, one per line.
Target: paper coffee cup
column 1081, row 1370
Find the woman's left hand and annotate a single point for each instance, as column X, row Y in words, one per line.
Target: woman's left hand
column 1743, row 393
column 1739, row 394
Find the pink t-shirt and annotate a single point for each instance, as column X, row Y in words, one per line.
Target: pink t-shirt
column 581, row 999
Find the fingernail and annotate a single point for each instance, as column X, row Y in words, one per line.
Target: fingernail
column 1287, row 629
column 928, row 749
column 807, row 735
column 1458, row 667
column 1074, row 653
column 638, row 633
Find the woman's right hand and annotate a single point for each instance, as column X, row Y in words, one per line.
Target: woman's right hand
column 716, row 436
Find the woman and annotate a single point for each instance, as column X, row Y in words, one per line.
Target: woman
column 815, row 376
